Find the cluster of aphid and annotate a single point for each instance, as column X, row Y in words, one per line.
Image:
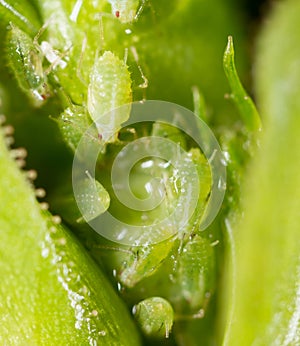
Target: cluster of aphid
column 186, row 261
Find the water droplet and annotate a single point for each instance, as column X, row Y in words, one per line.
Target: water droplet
column 221, row 184
column 147, row 164
column 226, row 155
column 45, row 252
column 122, row 234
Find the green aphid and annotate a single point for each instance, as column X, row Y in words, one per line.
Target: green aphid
column 155, row 316
column 143, row 262
column 195, row 277
column 26, row 60
column 109, row 88
column 91, row 197
column 75, row 125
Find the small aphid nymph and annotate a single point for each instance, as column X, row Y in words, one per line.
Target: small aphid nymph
column 109, row 88
column 155, row 317
column 26, row 59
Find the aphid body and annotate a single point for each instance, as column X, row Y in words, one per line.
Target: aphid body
column 91, row 197
column 109, row 88
column 195, row 279
column 26, row 59
column 144, row 262
column 75, row 126
column 155, row 316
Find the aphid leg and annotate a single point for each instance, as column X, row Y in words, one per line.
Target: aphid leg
column 215, row 243
column 101, row 30
column 182, row 241
column 102, row 15
column 136, row 58
column 168, row 193
column 75, row 11
column 78, row 69
column 54, row 57
column 40, row 33
column 126, row 56
column 199, row 104
column 132, row 131
column 140, row 9
column 112, row 248
column 89, row 176
column 200, row 314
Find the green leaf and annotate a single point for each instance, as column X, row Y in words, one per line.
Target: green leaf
column 21, row 13
column 51, row 291
column 242, row 100
column 267, row 277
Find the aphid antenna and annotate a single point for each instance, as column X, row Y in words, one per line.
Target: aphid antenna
column 140, row 9
column 136, row 58
column 196, row 100
column 182, row 317
column 78, row 69
column 41, row 31
column 125, row 56
column 113, row 248
column 100, row 16
column 75, row 11
column 101, row 30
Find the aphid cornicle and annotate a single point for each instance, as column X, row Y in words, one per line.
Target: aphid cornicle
column 124, row 10
column 109, row 88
